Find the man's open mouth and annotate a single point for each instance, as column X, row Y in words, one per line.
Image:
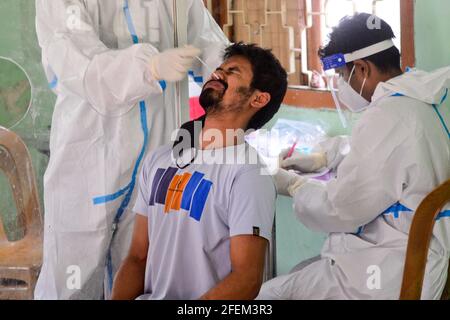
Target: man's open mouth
column 216, row 85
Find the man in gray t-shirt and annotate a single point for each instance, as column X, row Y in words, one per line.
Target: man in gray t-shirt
column 203, row 227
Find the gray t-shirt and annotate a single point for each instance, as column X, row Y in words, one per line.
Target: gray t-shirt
column 192, row 214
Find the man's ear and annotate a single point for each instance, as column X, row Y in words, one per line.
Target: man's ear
column 260, row 100
column 364, row 67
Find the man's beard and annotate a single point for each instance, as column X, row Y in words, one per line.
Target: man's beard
column 212, row 100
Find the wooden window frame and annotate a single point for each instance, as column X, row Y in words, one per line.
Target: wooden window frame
column 307, row 97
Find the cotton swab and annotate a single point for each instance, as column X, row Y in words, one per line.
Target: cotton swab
column 208, row 68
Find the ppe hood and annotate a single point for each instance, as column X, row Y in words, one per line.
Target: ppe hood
column 429, row 87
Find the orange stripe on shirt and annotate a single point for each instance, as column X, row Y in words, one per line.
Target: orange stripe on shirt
column 176, row 202
column 171, row 192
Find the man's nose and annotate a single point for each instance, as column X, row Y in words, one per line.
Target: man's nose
column 219, row 75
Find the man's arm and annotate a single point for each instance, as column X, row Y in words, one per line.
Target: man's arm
column 129, row 281
column 247, row 254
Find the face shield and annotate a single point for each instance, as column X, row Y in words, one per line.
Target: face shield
column 344, row 96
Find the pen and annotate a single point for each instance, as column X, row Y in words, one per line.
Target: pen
column 291, row 151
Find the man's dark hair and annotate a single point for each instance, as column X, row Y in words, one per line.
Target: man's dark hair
column 357, row 32
column 268, row 76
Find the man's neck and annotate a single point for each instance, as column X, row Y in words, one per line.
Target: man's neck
column 391, row 75
column 222, row 127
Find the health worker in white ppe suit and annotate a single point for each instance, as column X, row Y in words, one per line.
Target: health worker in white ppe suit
column 399, row 152
column 113, row 67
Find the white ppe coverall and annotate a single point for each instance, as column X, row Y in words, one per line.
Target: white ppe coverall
column 400, row 152
column 110, row 112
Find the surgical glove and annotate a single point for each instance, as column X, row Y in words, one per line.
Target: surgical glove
column 306, row 163
column 287, row 182
column 172, row 65
column 336, row 149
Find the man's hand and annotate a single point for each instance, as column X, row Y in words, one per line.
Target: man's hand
column 247, row 255
column 129, row 282
column 172, row 65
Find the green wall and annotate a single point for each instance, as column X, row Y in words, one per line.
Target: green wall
column 432, row 28
column 18, row 42
column 294, row 241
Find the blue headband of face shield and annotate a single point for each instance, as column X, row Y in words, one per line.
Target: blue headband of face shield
column 340, row 60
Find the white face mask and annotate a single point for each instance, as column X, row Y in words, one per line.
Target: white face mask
column 353, row 100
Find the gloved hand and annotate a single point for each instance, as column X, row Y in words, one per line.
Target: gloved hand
column 306, row 163
column 287, row 183
column 336, row 149
column 172, row 65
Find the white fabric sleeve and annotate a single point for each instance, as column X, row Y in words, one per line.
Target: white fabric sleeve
column 252, row 205
column 81, row 64
column 369, row 180
column 141, row 205
column 205, row 34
